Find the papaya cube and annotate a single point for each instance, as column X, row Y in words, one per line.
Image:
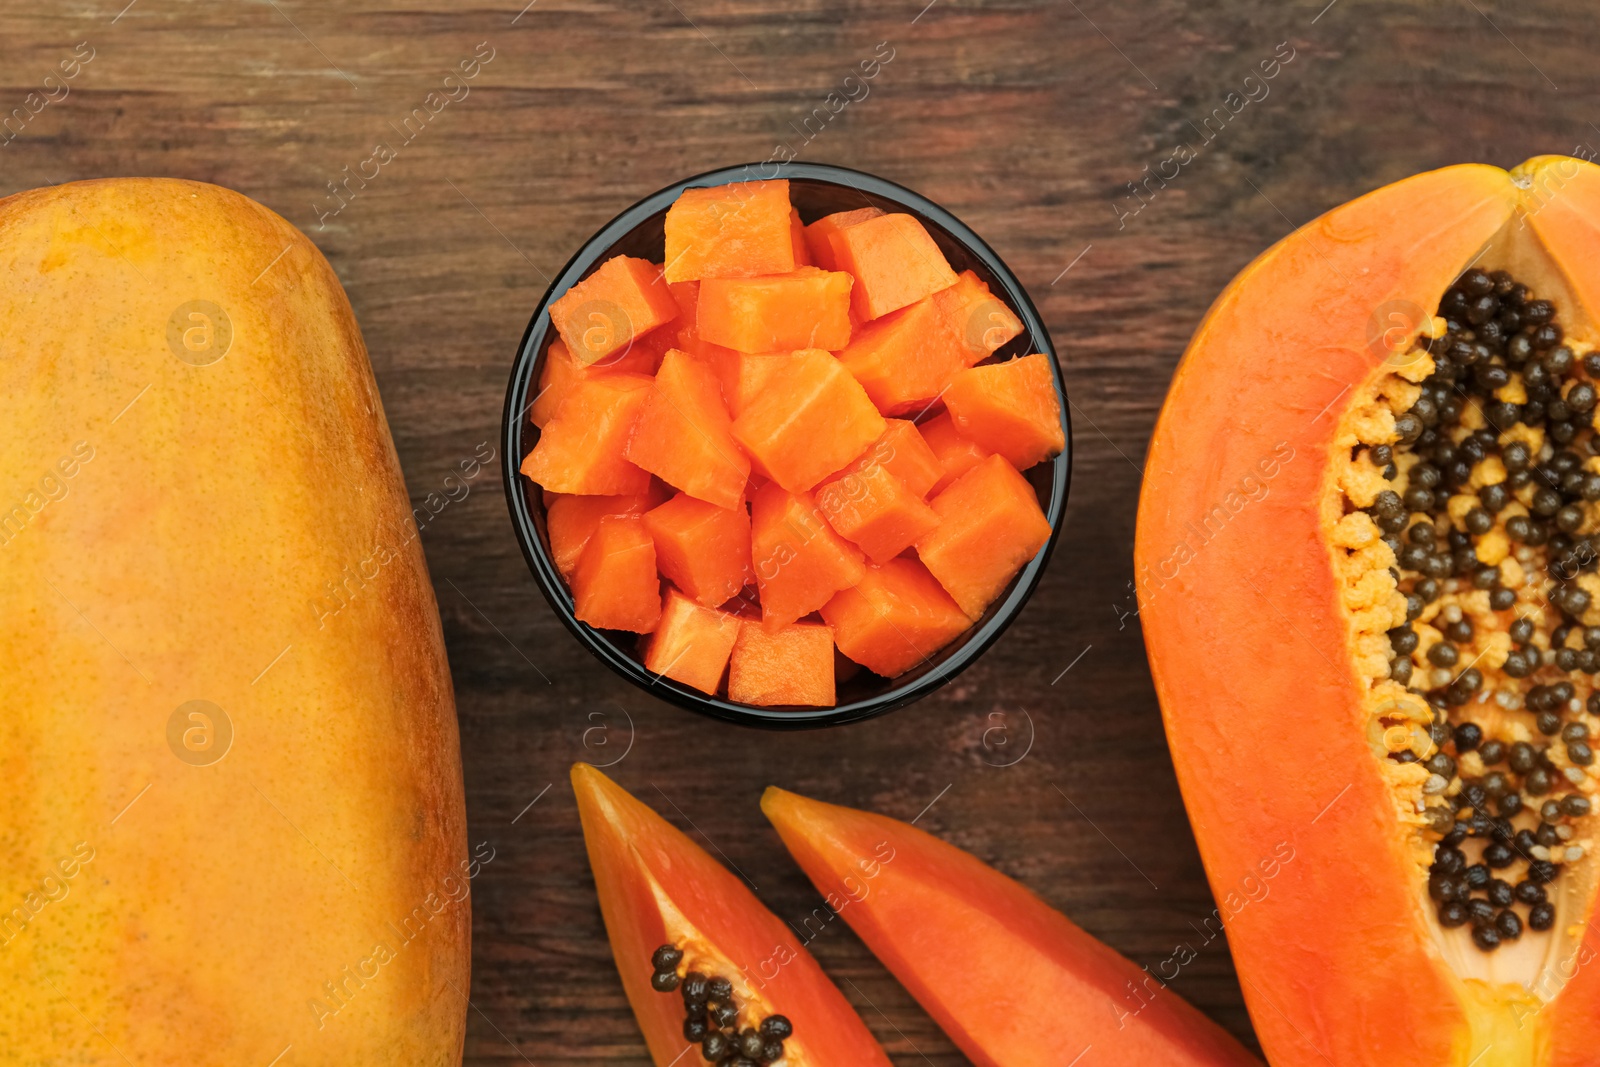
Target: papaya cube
column 739, row 230
column 572, row 520
column 691, row 644
column 904, row 359
column 873, row 508
column 1011, row 408
column 894, row 618
column 800, row 563
column 687, row 295
column 615, row 585
column 990, row 526
column 820, row 233
column 583, row 448
column 701, row 548
column 809, row 419
column 805, row 308
column 903, row 452
column 956, row 454
column 979, row 321
column 623, row 299
column 743, row 375
column 797, row 239
column 895, row 263
column 793, row 665
column 906, row 454
column 561, row 369
column 682, row 434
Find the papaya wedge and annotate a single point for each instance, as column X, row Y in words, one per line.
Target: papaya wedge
column 1366, row 567
column 1012, row 981
column 680, row 922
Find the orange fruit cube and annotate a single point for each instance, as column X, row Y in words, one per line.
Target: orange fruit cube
column 873, row 508
column 792, row 665
column 623, row 299
column 682, row 434
column 990, row 526
column 809, row 420
column 744, row 375
column 979, row 321
column 701, row 548
column 904, row 359
column 1011, row 408
column 805, row 308
column 800, row 563
column 739, row 230
column 571, row 520
column 797, row 239
column 690, row 644
column 895, row 618
column 583, row 448
column 895, row 263
column 819, row 234
column 561, row 370
column 955, row 454
column 615, row 585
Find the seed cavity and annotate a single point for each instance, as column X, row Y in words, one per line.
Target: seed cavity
column 1466, row 531
column 711, row 1015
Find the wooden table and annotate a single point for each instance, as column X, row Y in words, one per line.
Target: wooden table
column 1027, row 119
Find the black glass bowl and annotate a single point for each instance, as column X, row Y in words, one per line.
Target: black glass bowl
column 816, row 190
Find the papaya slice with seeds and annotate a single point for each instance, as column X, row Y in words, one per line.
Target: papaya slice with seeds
column 1364, row 514
column 658, row 888
column 1014, row 982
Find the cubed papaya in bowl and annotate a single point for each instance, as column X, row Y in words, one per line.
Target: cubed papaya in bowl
column 844, row 417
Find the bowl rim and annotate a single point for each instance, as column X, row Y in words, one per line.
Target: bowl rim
column 514, row 419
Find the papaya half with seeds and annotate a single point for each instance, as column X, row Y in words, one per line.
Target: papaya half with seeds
column 1367, row 571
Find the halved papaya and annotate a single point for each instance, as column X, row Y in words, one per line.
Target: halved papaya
column 700, row 956
column 1369, row 527
column 1014, row 982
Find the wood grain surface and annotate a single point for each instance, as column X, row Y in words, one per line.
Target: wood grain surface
column 1028, row 120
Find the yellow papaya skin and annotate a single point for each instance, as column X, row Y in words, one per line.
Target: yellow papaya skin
column 231, row 816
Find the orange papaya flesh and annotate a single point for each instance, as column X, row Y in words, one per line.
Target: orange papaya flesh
column 809, row 420
column 583, row 448
column 690, row 643
column 819, row 235
column 1342, row 331
column 876, row 510
column 739, row 230
column 683, row 434
column 1014, row 982
column 905, row 359
column 571, row 521
column 615, row 585
column 903, row 452
column 955, row 454
column 978, row 321
column 797, row 239
column 800, row 563
column 895, row 618
column 805, row 308
column 657, row 887
column 625, row 298
column 743, row 375
column 792, row 666
column 562, row 370
column 701, row 548
column 1011, row 408
column 989, row 525
column 894, row 261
